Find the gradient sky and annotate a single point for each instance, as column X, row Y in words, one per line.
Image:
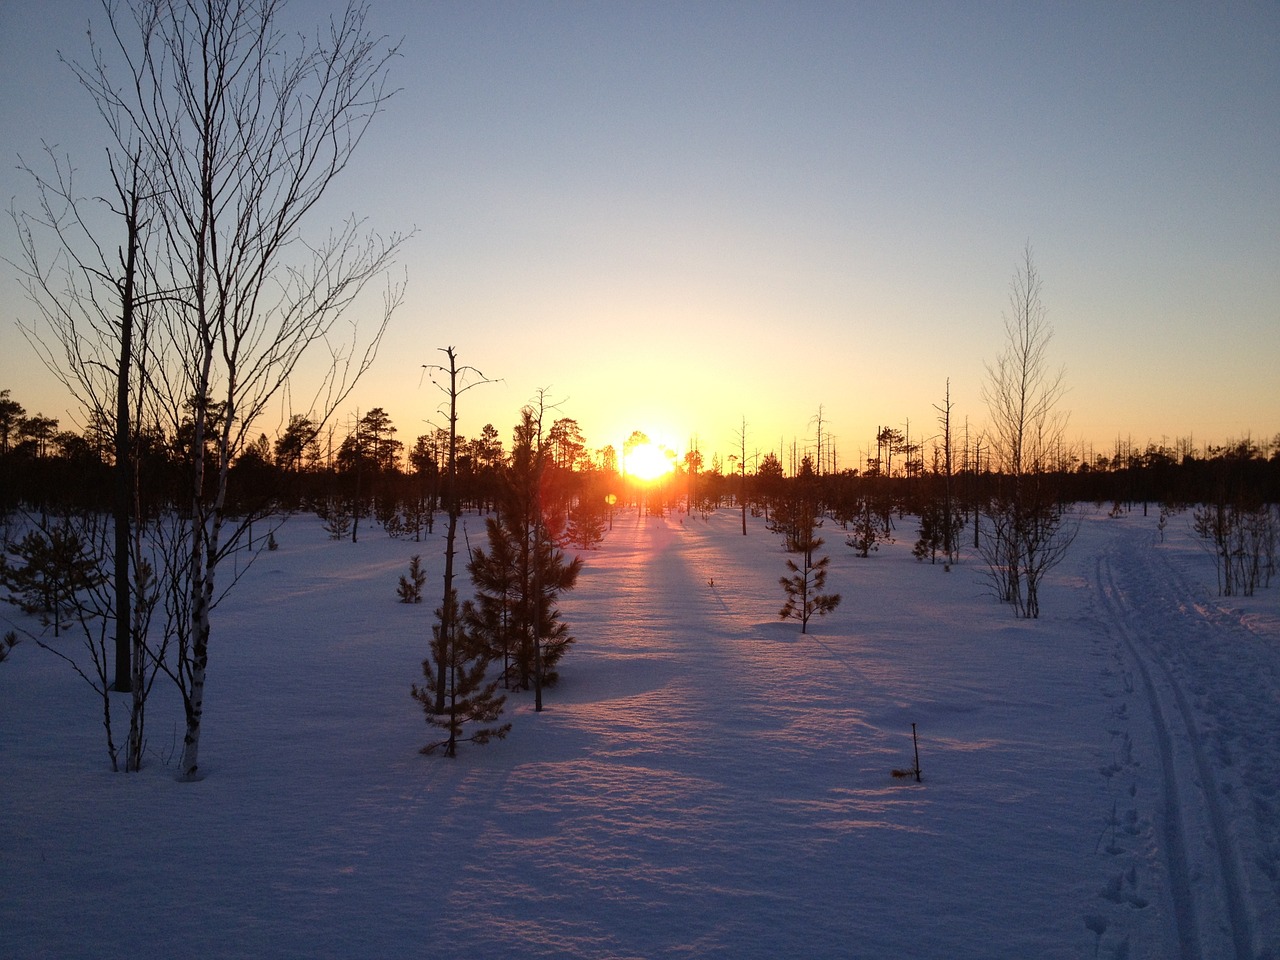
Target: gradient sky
column 675, row 216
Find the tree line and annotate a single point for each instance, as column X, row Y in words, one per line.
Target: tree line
column 366, row 473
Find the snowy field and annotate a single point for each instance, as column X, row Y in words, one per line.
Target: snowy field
column 705, row 781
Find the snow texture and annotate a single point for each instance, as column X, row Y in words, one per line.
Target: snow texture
column 705, row 780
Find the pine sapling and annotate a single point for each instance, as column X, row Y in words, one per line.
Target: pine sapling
column 805, row 598
column 472, row 705
column 337, row 517
column 410, row 589
column 57, row 567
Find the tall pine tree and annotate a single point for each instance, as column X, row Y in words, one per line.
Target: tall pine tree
column 520, row 578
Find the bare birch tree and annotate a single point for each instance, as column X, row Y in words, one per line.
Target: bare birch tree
column 241, row 131
column 92, row 333
column 1022, row 393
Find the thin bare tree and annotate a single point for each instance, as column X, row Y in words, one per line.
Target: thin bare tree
column 459, row 381
column 741, row 457
column 1022, row 393
column 241, row 130
column 92, row 332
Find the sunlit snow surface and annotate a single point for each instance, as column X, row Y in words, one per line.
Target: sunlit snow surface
column 704, row 782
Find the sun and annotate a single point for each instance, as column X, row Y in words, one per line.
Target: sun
column 648, row 462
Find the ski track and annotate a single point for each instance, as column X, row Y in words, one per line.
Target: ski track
column 1208, row 895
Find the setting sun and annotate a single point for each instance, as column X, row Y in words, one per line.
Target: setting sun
column 648, row 462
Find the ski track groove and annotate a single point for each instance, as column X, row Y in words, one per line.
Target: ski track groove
column 1223, row 906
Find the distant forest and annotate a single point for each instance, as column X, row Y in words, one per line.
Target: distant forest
column 366, row 472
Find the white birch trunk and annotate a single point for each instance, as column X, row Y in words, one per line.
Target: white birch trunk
column 207, row 525
column 189, row 768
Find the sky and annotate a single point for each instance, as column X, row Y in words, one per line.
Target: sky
column 678, row 218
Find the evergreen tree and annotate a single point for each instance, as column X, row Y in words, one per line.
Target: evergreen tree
column 867, row 525
column 56, row 567
column 587, row 520
column 804, row 586
column 519, row 579
column 297, row 448
column 380, row 444
column 493, row 614
column 552, row 576
column 939, row 528
column 487, row 456
column 11, row 414
column 472, row 704
column 410, row 589
column 337, row 516
column 769, row 482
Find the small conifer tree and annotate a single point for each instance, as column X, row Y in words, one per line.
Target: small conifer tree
column 518, row 581
column 931, row 533
column 938, row 533
column 587, row 522
column 410, row 589
column 804, row 586
column 337, row 516
column 495, row 614
column 868, row 526
column 472, row 705
column 7, row 644
column 56, row 568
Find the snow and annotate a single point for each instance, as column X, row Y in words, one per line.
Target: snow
column 705, row 780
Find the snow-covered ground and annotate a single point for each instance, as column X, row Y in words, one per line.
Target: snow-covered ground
column 705, row 781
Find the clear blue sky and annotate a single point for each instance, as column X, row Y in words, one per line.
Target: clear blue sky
column 679, row 215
